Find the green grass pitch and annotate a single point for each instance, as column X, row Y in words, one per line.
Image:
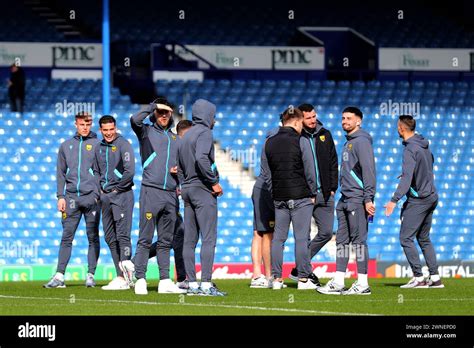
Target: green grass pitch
column 29, row 298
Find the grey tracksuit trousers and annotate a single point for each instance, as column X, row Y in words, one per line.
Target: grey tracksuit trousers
column 117, row 211
column 178, row 241
column 416, row 222
column 299, row 214
column 352, row 228
column 323, row 214
column 200, row 217
column 158, row 209
column 76, row 207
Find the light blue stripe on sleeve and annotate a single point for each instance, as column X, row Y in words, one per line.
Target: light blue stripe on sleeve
column 413, row 192
column 149, row 159
column 116, row 172
column 361, row 184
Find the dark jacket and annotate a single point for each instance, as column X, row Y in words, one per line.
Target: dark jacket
column 17, row 88
column 285, row 161
column 158, row 149
column 115, row 165
column 325, row 162
column 358, row 181
column 417, row 180
column 196, row 159
column 74, row 171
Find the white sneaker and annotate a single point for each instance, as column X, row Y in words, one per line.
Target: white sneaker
column 270, row 284
column 260, row 282
column 128, row 269
column 308, row 285
column 357, row 289
column 415, row 284
column 277, row 285
column 140, row 287
column 331, row 288
column 166, row 286
column 117, row 283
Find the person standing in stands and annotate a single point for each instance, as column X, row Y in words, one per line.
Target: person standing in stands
column 115, row 166
column 200, row 189
column 293, row 191
column 417, row 183
column 16, row 88
column 325, row 166
column 356, row 205
column 78, row 195
column 158, row 196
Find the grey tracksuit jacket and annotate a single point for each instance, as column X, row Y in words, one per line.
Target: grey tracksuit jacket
column 115, row 164
column 74, row 171
column 158, row 150
column 264, row 175
column 357, row 176
column 196, row 150
column 417, row 181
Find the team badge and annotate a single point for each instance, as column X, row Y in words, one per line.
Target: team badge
column 64, row 215
column 173, row 137
column 349, row 146
column 114, row 148
column 148, row 216
column 322, row 138
column 89, row 147
column 271, row 224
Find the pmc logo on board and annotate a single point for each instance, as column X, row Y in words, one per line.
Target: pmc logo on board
column 290, row 57
column 73, row 54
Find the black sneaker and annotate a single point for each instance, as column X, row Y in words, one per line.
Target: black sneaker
column 314, row 279
column 435, row 285
column 294, row 275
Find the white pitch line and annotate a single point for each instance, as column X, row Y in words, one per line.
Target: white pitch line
column 289, row 310
column 364, row 300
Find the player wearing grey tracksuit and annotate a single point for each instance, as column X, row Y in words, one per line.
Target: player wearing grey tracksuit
column 417, row 183
column 115, row 165
column 158, row 198
column 291, row 182
column 77, row 184
column 358, row 186
column 198, row 170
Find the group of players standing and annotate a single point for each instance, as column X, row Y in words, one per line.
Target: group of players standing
column 298, row 179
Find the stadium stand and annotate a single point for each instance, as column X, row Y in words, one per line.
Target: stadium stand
column 246, row 110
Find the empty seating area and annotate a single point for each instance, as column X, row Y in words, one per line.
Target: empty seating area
column 267, row 23
column 246, row 110
column 43, row 95
column 20, row 24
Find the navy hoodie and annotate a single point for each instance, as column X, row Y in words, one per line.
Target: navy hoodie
column 417, row 180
